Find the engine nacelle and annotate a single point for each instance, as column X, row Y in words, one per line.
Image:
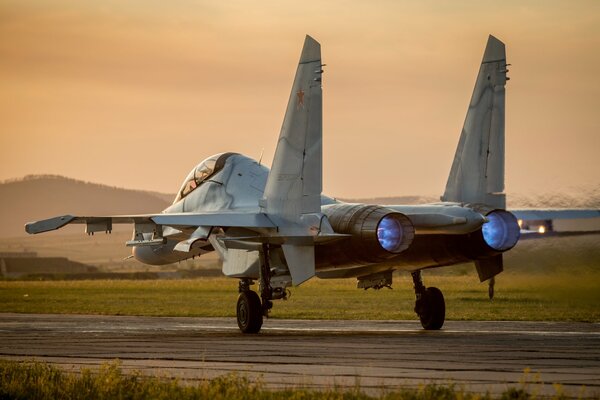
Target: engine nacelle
column 500, row 233
column 378, row 234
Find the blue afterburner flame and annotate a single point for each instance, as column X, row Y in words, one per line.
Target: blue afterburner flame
column 389, row 233
column 502, row 231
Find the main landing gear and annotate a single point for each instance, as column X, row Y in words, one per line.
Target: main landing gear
column 430, row 305
column 250, row 307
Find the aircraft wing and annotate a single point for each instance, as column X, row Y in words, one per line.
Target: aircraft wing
column 178, row 220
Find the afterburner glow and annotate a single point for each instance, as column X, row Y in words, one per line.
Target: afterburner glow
column 389, row 233
column 502, row 231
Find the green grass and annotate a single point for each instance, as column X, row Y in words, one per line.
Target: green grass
column 557, row 278
column 556, row 297
column 34, row 380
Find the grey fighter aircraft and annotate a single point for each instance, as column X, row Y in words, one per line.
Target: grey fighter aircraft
column 276, row 227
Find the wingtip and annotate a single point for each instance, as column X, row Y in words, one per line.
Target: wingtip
column 48, row 224
column 494, row 50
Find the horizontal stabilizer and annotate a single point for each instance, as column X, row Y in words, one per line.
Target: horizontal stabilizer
column 534, row 235
column 540, row 223
column 543, row 214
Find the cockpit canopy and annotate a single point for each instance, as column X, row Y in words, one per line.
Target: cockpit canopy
column 201, row 173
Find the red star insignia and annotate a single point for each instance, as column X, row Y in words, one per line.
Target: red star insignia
column 300, row 94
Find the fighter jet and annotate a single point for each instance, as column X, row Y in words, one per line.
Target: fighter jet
column 276, row 228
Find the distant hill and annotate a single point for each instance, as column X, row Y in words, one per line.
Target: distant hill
column 42, row 196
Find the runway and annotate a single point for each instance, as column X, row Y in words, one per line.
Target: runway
column 375, row 354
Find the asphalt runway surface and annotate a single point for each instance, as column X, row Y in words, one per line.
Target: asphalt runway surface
column 480, row 356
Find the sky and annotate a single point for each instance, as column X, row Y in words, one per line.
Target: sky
column 136, row 93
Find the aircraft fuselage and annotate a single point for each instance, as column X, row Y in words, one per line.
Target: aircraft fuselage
column 240, row 184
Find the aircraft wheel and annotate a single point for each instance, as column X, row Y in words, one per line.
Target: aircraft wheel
column 249, row 312
column 432, row 310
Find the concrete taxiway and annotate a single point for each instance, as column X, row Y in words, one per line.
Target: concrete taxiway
column 481, row 356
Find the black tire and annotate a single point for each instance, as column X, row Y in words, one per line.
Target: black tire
column 249, row 312
column 432, row 311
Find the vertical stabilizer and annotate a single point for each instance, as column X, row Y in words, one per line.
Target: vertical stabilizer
column 477, row 174
column 295, row 183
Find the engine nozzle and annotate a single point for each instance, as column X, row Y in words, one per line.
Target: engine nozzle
column 377, row 233
column 501, row 232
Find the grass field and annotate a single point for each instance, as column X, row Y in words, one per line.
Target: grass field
column 559, row 296
column 35, row 380
column 552, row 279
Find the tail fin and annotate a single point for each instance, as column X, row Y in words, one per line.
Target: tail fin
column 477, row 174
column 295, row 183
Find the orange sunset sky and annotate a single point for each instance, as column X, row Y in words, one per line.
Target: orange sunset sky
column 135, row 93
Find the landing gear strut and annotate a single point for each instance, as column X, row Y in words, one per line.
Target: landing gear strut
column 430, row 305
column 250, row 308
column 264, row 274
